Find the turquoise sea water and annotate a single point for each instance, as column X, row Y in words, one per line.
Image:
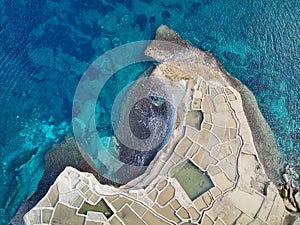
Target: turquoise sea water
column 45, row 47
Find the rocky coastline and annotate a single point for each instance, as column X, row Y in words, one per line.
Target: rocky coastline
column 245, row 183
column 61, row 155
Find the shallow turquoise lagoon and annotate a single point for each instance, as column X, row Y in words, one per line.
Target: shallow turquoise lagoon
column 45, row 47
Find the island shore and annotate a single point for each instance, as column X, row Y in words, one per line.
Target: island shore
column 57, row 159
column 231, row 149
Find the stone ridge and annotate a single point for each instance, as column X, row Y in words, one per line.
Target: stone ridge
column 223, row 149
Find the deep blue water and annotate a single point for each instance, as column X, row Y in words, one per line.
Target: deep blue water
column 45, row 47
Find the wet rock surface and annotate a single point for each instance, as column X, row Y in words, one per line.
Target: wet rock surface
column 144, row 112
column 141, row 119
column 146, row 119
column 289, row 190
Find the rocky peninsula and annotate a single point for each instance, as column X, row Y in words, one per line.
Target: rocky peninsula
column 219, row 166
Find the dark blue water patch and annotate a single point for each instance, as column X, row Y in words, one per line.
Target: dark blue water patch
column 172, row 5
column 151, row 19
column 78, row 5
column 15, row 88
column 21, row 15
column 140, row 21
column 234, row 58
column 22, row 19
column 128, row 3
column 59, row 37
column 147, row 1
column 78, row 20
column 86, row 30
column 165, row 14
column 195, row 6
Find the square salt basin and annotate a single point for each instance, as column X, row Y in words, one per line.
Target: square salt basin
column 194, row 119
column 194, row 181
